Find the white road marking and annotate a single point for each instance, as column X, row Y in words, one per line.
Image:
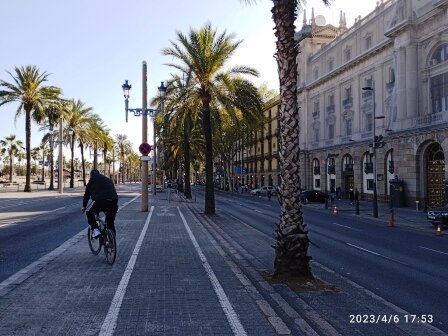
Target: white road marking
column 377, row 254
column 110, row 322
column 425, row 248
column 258, row 211
column 231, row 315
column 348, row 227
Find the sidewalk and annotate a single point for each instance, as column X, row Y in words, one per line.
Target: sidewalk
column 179, row 272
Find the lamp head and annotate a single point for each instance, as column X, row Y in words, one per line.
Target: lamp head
column 162, row 89
column 126, row 88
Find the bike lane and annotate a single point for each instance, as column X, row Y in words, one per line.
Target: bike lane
column 180, row 285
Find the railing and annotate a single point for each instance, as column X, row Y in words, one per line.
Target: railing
column 368, row 167
column 367, row 94
column 330, row 108
column 348, row 167
column 347, row 102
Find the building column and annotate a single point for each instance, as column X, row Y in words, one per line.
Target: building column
column 401, row 84
column 411, row 81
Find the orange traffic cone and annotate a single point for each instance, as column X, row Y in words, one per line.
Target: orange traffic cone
column 391, row 222
column 335, row 211
column 439, row 232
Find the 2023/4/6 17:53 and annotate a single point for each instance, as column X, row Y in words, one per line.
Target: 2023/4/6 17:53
column 391, row 318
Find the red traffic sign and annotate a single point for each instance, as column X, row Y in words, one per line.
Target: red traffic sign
column 145, row 149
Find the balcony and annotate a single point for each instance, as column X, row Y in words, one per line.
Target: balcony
column 368, row 167
column 330, row 108
column 331, row 170
column 316, row 170
column 348, row 102
column 367, row 94
column 348, row 168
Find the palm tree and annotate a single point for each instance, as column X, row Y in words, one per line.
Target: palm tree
column 204, row 52
column 11, row 145
column 122, row 143
column 32, row 95
column 291, row 249
column 79, row 120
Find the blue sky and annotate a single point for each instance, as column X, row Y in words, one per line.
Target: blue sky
column 91, row 46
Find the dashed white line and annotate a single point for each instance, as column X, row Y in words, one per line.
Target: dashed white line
column 227, row 307
column 425, row 248
column 377, row 254
column 258, row 211
column 348, row 227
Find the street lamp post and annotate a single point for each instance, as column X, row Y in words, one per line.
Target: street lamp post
column 144, row 111
column 374, row 145
column 61, row 165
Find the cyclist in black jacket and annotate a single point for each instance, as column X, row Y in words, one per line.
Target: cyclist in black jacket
column 104, row 197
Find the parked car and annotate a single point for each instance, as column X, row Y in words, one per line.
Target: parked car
column 263, row 191
column 313, row 196
column 438, row 216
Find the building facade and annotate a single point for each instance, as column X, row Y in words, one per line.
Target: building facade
column 386, row 76
column 373, row 104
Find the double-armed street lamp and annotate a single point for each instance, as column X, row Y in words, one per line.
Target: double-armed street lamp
column 375, row 144
column 144, row 147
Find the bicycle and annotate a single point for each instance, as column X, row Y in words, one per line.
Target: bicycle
column 106, row 239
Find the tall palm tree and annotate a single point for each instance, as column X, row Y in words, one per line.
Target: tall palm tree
column 28, row 89
column 11, row 145
column 204, row 52
column 292, row 243
column 79, row 120
column 122, row 143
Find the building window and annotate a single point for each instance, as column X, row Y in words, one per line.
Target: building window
column 331, row 100
column 316, row 73
column 317, row 183
column 368, row 42
column 369, row 184
column 440, row 55
column 439, row 93
column 330, row 65
column 348, row 54
column 331, row 131
column 348, row 127
column 369, row 121
column 316, row 135
column 316, row 167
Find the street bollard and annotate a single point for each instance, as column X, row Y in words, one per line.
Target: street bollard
column 417, row 205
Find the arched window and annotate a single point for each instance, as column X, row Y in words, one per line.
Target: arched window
column 347, row 164
column 439, row 81
column 316, row 167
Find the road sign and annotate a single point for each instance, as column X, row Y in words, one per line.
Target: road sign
column 145, row 158
column 145, row 149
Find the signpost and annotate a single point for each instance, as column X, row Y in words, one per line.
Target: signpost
column 145, row 149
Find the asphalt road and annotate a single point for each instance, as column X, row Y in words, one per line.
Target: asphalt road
column 33, row 227
column 408, row 268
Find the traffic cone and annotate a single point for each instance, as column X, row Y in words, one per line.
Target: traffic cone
column 391, row 222
column 335, row 211
column 439, row 232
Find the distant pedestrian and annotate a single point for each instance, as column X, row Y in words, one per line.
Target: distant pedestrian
column 269, row 194
column 356, row 195
column 351, row 196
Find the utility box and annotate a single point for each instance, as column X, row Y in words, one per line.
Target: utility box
column 397, row 193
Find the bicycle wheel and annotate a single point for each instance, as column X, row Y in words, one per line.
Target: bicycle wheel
column 110, row 246
column 94, row 243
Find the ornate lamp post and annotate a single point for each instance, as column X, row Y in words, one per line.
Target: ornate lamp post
column 144, row 147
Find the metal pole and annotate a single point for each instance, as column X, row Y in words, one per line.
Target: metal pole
column 375, row 196
column 61, row 165
column 144, row 205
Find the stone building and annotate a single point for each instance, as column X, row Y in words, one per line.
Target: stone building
column 386, row 76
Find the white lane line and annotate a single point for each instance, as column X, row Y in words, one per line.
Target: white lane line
column 377, row 254
column 110, row 322
column 231, row 315
column 425, row 248
column 258, row 211
column 348, row 227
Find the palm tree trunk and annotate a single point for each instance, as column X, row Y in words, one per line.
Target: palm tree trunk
column 51, row 187
column 292, row 236
column 28, row 149
column 83, row 163
column 11, row 159
column 187, row 190
column 206, row 124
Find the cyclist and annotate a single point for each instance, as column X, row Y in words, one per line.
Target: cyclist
column 104, row 197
